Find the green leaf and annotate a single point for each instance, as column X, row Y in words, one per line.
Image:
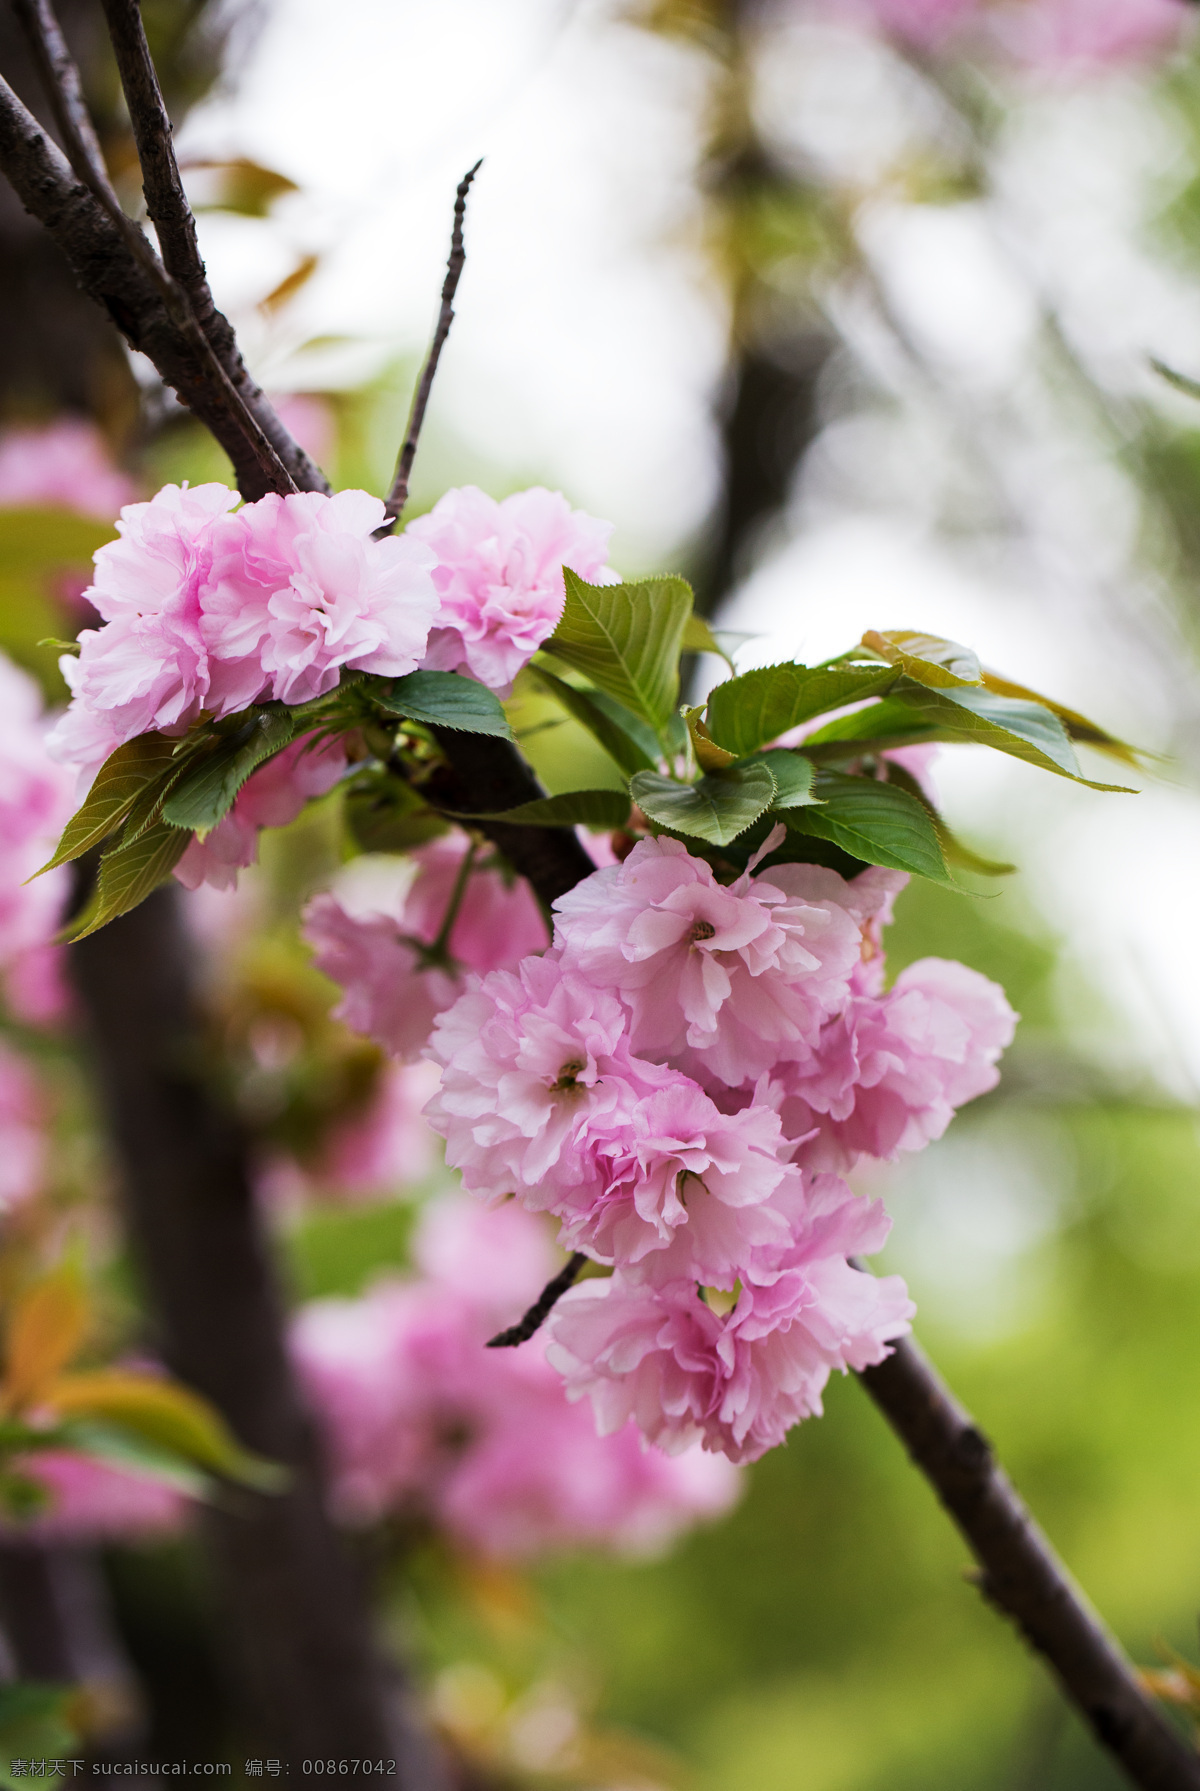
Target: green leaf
column 698, row 637
column 875, row 822
column 1181, row 381
column 716, row 809
column 1026, row 730
column 927, row 658
column 119, row 782
column 747, row 712
column 128, row 874
column 573, row 808
column 624, row 737
column 1078, row 727
column 383, row 814
column 870, row 730
column 793, row 775
column 166, row 1415
column 444, row 700
column 627, row 640
column 206, row 792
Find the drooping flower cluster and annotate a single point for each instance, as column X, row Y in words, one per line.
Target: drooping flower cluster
column 424, row 1423
column 680, row 1081
column 403, row 966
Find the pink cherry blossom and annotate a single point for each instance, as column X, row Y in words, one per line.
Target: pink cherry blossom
column 737, row 976
column 891, row 1070
column 685, row 1191
column 207, row 612
column 36, row 801
column 499, row 575
column 65, row 465
column 96, row 1501
column 424, row 1422
column 300, row 590
column 149, row 668
column 393, row 986
column 533, row 1062
column 272, row 797
column 662, row 1356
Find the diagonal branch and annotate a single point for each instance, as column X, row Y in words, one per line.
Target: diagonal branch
column 1021, row 1574
column 64, row 90
column 116, row 266
column 398, row 495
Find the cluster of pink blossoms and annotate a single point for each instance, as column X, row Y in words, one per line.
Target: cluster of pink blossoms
column 423, row 1423
column 208, row 609
column 681, row 1080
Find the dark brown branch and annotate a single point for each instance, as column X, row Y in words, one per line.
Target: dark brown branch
column 111, row 270
column 539, row 1312
column 297, row 1622
column 398, row 495
column 64, row 89
column 484, row 773
column 1021, row 1574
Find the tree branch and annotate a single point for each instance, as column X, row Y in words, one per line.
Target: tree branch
column 129, row 284
column 1021, row 1574
column 398, row 495
column 535, row 1317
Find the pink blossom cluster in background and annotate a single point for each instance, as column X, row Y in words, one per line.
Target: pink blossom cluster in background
column 681, row 1081
column 422, row 1422
column 208, row 610
column 89, row 1500
column 1052, row 35
column 393, row 987
column 23, row 1118
column 35, row 803
column 63, row 465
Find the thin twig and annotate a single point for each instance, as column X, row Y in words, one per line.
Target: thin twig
column 187, row 294
column 398, row 495
column 538, row 1313
column 1021, row 1574
column 64, row 90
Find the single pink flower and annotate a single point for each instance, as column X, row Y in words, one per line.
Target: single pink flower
column 891, row 1070
column 300, row 589
column 499, row 576
column 734, row 977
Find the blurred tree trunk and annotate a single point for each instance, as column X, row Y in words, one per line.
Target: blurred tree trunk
column 299, row 1631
